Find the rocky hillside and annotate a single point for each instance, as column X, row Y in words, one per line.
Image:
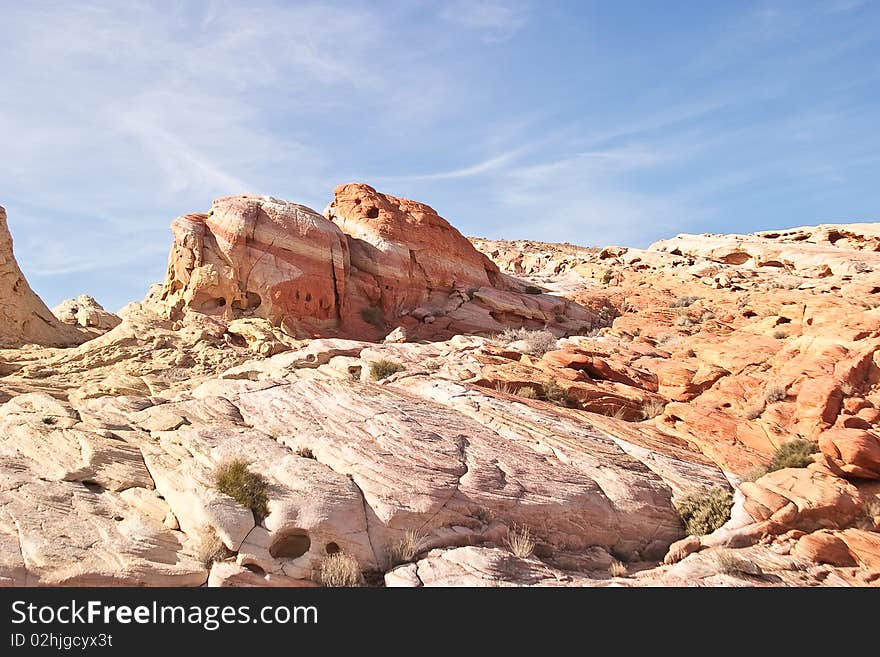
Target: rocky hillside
column 703, row 412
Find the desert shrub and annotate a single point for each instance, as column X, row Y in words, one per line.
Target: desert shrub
column 847, row 389
column 753, row 413
column 626, row 307
column 373, row 316
column 795, row 453
column 703, row 513
column 520, row 542
column 753, row 474
column 684, row 302
column 617, row 569
column 212, row 549
column 775, row 393
column 382, row 369
column 552, row 392
column 340, row 571
column 433, row 364
column 306, row 453
column 608, row 276
column 780, row 335
column 407, row 547
column 729, row 562
column 652, row 408
column 532, row 289
column 251, row 490
column 527, row 392
column 537, row 343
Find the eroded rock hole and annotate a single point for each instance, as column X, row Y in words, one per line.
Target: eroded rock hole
column 735, row 258
column 373, row 213
column 331, row 548
column 254, row 568
column 291, row 545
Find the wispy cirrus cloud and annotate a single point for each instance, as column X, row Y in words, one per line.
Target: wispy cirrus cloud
column 495, row 20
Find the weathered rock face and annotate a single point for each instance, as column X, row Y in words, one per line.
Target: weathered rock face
column 820, row 250
column 254, row 256
column 411, row 251
column 24, row 318
column 375, row 262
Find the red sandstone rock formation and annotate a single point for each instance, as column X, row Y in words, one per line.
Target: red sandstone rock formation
column 375, row 262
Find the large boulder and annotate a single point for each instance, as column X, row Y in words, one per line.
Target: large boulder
column 373, row 263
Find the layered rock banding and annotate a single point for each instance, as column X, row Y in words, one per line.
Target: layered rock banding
column 692, row 370
column 372, row 263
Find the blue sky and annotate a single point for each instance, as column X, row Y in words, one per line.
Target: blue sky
column 590, row 122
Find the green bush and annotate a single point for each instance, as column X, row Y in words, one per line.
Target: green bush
column 382, row 369
column 796, row 453
column 703, row 513
column 233, row 478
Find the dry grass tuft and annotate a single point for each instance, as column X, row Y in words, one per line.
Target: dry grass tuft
column 340, row 571
column 407, row 547
column 520, row 542
column 617, row 569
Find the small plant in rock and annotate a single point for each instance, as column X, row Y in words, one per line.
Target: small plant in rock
column 847, row 389
column 780, row 335
column 684, row 302
column 340, row 570
column 433, row 364
column 753, row 474
column 552, row 392
column 775, row 393
column 619, row 413
column 373, row 316
column 652, row 408
column 306, row 453
column 520, row 542
column 382, row 369
column 537, row 343
column 797, row 453
column 532, row 289
column 617, row 569
column 753, row 413
column 251, row 490
column 212, row 549
column 729, row 563
column 407, row 547
column 703, row 513
column 527, row 392
column 608, row 276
